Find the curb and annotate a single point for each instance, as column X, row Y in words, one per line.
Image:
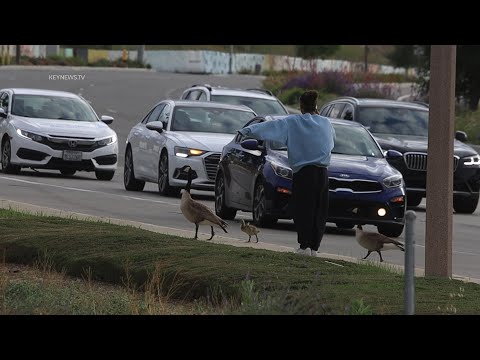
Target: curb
column 59, row 67
column 36, row 210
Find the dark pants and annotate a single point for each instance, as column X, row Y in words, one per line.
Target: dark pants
column 310, row 205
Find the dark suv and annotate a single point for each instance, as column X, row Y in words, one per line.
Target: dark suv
column 403, row 126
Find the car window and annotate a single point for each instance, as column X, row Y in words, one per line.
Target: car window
column 193, row 95
column 397, row 121
column 354, row 140
column 153, row 116
column 4, row 99
column 209, row 119
column 203, row 96
column 336, row 110
column 52, row 107
column 324, row 111
column 347, row 113
column 165, row 115
column 259, row 105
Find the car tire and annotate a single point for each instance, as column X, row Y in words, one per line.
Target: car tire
column 105, row 175
column 7, row 166
column 164, row 187
column 465, row 205
column 129, row 181
column 414, row 200
column 390, row 230
column 259, row 207
column 67, row 172
column 222, row 210
column 345, row 225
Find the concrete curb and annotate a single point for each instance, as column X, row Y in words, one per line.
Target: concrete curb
column 70, row 68
column 218, row 239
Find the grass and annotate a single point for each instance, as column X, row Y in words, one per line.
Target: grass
column 469, row 122
column 226, row 278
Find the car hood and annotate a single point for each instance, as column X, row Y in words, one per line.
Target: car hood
column 348, row 166
column 84, row 129
column 202, row 141
column 407, row 143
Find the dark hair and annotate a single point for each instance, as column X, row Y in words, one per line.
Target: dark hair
column 308, row 101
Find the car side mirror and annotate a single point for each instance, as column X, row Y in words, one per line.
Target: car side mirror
column 106, row 119
column 461, row 136
column 393, row 154
column 252, row 144
column 155, row 126
column 3, row 114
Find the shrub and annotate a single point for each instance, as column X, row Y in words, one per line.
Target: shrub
column 291, row 96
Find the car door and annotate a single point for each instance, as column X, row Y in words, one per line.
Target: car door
column 140, row 140
column 246, row 166
column 156, row 142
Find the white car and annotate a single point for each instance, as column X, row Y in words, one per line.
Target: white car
column 176, row 133
column 44, row 129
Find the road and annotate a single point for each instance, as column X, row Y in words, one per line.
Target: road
column 127, row 95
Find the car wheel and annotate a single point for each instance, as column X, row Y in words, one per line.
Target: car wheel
column 7, row 166
column 390, row 230
column 345, row 225
column 104, row 174
column 259, row 207
column 221, row 209
column 465, row 205
column 414, row 200
column 129, row 181
column 67, row 172
column 164, row 187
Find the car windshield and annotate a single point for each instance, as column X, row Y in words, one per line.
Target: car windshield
column 260, row 106
column 52, row 107
column 397, row 121
column 350, row 140
column 209, row 119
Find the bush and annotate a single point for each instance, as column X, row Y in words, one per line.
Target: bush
column 291, row 96
column 470, row 123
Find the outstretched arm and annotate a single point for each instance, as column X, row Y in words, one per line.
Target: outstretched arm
column 275, row 130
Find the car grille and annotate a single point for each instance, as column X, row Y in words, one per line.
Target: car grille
column 211, row 165
column 354, row 185
column 418, row 161
column 66, row 144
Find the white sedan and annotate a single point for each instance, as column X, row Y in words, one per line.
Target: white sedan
column 176, row 133
column 44, row 129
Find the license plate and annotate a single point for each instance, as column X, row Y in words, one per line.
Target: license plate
column 72, row 155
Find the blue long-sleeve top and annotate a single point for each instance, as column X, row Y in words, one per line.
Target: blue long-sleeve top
column 309, row 138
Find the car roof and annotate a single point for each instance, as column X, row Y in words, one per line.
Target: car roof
column 382, row 103
column 210, row 104
column 251, row 93
column 27, row 91
column 333, row 121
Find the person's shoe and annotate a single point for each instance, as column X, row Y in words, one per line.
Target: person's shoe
column 305, row 252
column 313, row 253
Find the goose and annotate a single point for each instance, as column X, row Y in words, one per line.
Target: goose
column 197, row 213
column 250, row 230
column 376, row 242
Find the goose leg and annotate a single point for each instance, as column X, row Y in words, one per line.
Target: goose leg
column 211, row 237
column 196, row 232
column 249, row 236
column 367, row 255
column 256, row 237
column 379, row 253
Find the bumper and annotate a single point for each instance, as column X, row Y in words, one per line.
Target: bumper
column 204, row 167
column 29, row 153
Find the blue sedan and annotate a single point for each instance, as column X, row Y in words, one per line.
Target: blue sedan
column 254, row 176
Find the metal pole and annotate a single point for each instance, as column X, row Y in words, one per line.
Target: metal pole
column 441, row 133
column 410, row 217
column 366, row 58
column 230, row 65
column 140, row 53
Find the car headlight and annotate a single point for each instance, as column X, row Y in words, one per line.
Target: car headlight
column 472, row 161
column 393, row 181
column 186, row 152
column 282, row 171
column 29, row 135
column 107, row 141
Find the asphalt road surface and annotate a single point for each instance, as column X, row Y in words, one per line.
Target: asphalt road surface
column 127, row 96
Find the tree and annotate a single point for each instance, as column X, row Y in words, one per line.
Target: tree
column 312, row 52
column 467, row 72
column 404, row 56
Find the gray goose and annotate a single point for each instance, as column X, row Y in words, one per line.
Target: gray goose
column 197, row 213
column 250, row 230
column 376, row 242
